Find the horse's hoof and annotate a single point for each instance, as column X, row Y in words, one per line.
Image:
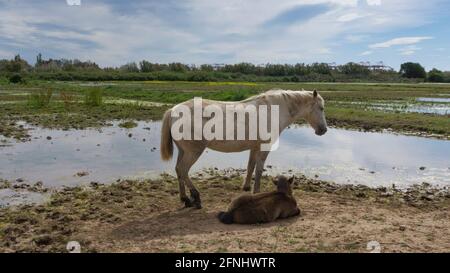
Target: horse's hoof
column 195, row 198
column 197, row 205
column 246, row 188
column 187, row 202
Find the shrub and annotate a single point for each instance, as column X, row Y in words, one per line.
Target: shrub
column 15, row 78
column 436, row 76
column 236, row 96
column 67, row 98
column 40, row 99
column 93, row 97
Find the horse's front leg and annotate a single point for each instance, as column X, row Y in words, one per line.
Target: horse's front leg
column 260, row 160
column 250, row 170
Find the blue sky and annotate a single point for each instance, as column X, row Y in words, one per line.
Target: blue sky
column 215, row 31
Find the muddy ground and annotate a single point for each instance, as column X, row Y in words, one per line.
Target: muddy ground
column 147, row 216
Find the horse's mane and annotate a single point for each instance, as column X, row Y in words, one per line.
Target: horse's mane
column 288, row 95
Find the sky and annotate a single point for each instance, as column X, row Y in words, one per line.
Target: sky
column 114, row 32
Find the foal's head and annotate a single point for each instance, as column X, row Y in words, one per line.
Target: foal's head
column 315, row 115
column 283, row 184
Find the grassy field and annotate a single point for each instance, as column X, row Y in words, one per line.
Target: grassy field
column 347, row 105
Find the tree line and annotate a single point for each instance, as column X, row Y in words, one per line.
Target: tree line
column 17, row 69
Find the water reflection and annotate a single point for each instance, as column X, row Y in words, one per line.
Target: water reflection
column 340, row 155
column 433, row 99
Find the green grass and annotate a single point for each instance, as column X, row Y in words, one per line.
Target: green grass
column 376, row 120
column 79, row 116
column 40, row 98
column 77, row 104
column 128, row 124
column 93, row 97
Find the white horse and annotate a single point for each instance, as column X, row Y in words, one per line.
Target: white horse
column 293, row 105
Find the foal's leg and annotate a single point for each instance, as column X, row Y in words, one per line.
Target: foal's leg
column 260, row 160
column 183, row 196
column 183, row 167
column 250, row 169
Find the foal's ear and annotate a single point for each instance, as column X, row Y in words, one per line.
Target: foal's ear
column 275, row 181
column 290, row 180
column 315, row 93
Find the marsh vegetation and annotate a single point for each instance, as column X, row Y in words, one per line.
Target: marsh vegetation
column 110, row 217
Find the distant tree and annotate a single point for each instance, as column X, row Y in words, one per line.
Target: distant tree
column 178, row 67
column 413, row 70
column 320, row 68
column 38, row 60
column 354, row 69
column 435, row 75
column 206, row 67
column 3, row 65
column 129, row 67
column 300, row 69
column 275, row 70
column 146, row 66
column 14, row 66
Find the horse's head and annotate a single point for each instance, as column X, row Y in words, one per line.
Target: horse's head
column 283, row 184
column 316, row 115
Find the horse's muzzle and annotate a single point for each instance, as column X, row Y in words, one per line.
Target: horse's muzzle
column 321, row 131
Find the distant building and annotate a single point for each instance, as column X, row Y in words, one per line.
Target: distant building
column 217, row 66
column 332, row 65
column 377, row 66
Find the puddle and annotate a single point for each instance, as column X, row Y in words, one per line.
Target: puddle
column 136, row 102
column 438, row 107
column 444, row 100
column 89, row 84
column 77, row 157
column 10, row 197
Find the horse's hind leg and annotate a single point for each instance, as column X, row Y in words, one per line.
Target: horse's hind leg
column 183, row 196
column 183, row 166
column 260, row 160
column 250, row 169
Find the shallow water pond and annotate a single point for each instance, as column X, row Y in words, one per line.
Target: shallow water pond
column 10, row 197
column 58, row 157
column 424, row 107
column 442, row 100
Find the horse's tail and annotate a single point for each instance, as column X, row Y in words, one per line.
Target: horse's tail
column 166, row 137
column 225, row 217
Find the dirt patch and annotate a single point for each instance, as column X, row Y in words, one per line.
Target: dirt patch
column 147, row 216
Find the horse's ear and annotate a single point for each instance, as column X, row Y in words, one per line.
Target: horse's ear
column 315, row 93
column 275, row 181
column 290, row 180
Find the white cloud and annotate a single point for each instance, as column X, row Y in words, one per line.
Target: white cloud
column 349, row 17
column 206, row 31
column 409, row 50
column 6, row 54
column 400, row 41
column 356, row 38
column 365, row 53
column 373, row 2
